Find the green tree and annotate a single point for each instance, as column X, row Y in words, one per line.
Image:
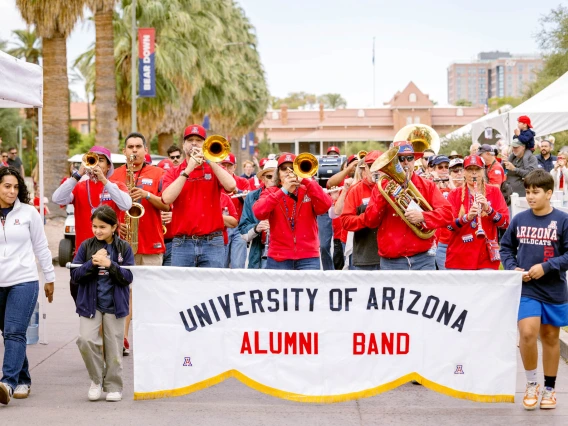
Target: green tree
column 553, row 40
column 9, row 121
column 27, row 45
column 332, row 100
column 496, row 103
column 460, row 144
column 3, row 45
column 294, row 100
column 355, row 147
column 463, row 102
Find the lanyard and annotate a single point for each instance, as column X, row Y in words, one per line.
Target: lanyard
column 292, row 219
column 93, row 208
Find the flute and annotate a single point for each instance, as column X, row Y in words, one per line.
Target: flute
column 479, row 233
column 242, row 194
column 329, row 191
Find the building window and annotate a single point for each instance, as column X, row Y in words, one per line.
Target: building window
column 84, row 128
column 408, row 120
column 416, row 120
column 520, row 67
column 412, row 97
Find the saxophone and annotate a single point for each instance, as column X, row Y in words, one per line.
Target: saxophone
column 135, row 212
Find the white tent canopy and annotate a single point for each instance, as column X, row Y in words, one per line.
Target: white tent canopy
column 21, row 83
column 21, row 86
column 548, row 111
column 468, row 128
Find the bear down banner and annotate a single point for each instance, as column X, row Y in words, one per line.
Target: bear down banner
column 324, row 337
column 146, row 63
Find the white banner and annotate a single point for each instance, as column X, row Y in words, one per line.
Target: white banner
column 315, row 336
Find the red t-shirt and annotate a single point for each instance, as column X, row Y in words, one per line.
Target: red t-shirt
column 255, row 183
column 83, row 209
column 496, row 174
column 198, row 203
column 150, row 233
column 227, row 201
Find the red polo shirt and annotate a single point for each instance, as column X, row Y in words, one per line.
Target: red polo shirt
column 496, row 174
column 150, row 234
column 83, row 209
column 198, row 203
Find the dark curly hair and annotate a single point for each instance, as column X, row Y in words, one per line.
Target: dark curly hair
column 23, row 194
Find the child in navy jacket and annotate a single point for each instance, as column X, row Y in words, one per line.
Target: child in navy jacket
column 524, row 132
column 103, row 301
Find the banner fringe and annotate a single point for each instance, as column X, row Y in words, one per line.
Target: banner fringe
column 323, row 399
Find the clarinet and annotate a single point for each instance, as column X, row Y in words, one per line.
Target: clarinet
column 479, row 233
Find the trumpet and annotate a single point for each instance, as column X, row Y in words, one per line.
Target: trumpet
column 305, row 166
column 89, row 161
column 480, row 232
column 215, row 149
column 362, row 154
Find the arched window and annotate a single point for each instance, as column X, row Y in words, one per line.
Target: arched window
column 408, row 120
column 412, row 97
column 416, row 120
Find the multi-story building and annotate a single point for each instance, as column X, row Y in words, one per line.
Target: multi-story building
column 493, row 74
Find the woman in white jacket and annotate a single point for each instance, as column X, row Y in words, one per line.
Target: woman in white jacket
column 22, row 240
column 560, row 175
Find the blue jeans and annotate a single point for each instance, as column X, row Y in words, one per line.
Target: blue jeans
column 17, row 304
column 441, row 256
column 325, row 232
column 294, row 265
column 198, row 253
column 367, row 267
column 420, row 261
column 236, row 250
column 167, row 259
column 351, row 267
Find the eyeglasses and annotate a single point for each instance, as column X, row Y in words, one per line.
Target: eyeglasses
column 403, row 158
column 460, row 170
column 14, row 153
column 5, row 155
column 269, row 176
column 175, row 157
column 440, row 167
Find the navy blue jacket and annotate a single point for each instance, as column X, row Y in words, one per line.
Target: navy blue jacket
column 247, row 222
column 87, row 274
column 526, row 137
column 547, row 165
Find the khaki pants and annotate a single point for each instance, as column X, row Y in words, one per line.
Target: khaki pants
column 90, row 345
column 148, row 259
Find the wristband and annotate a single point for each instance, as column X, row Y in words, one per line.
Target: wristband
column 255, row 229
column 207, row 161
column 76, row 176
column 148, row 196
column 184, row 174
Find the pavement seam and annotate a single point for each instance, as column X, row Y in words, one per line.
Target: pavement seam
column 53, row 353
column 359, row 412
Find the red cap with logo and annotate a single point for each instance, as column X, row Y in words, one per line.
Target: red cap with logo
column 351, row 159
column 229, row 159
column 286, row 157
column 473, row 160
column 166, row 164
column 195, row 129
column 262, row 162
column 372, row 156
column 526, row 120
column 333, row 149
column 148, row 159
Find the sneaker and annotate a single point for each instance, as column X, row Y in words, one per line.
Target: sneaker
column 548, row 399
column 126, row 347
column 22, row 391
column 95, row 391
column 114, row 396
column 5, row 393
column 531, row 396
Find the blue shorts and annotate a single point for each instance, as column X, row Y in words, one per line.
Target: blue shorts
column 556, row 315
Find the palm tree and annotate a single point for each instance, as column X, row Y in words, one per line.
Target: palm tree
column 106, row 125
column 332, row 100
column 3, row 45
column 27, row 45
column 53, row 21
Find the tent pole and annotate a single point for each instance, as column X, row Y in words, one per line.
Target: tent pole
column 41, row 297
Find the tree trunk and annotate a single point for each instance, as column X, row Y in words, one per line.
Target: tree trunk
column 55, row 115
column 165, row 140
column 106, row 125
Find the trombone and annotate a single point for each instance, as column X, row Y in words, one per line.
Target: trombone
column 215, row 149
column 305, row 166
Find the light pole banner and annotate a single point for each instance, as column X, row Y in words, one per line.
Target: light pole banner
column 315, row 336
column 146, row 63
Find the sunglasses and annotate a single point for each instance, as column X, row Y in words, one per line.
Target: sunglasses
column 459, row 170
column 14, row 153
column 403, row 158
column 5, row 155
column 175, row 157
column 442, row 167
column 269, row 177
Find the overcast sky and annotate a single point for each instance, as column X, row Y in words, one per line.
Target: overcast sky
column 326, row 46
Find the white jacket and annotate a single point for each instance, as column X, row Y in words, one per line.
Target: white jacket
column 23, row 237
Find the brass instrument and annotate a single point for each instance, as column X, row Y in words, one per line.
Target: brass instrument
column 305, row 165
column 479, row 232
column 135, row 212
column 399, row 191
column 215, row 149
column 362, row 154
column 89, row 161
column 421, row 136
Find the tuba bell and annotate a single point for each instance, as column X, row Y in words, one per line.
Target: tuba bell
column 305, row 165
column 399, row 191
column 421, row 136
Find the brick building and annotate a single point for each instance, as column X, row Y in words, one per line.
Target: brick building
column 315, row 130
column 493, row 74
column 80, row 118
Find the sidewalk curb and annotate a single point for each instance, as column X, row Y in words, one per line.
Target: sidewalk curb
column 564, row 344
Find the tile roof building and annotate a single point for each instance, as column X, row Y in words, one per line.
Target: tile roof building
column 315, row 130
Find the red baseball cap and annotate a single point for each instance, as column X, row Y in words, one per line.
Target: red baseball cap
column 473, row 160
column 286, row 157
column 526, row 120
column 262, row 162
column 148, row 159
column 351, row 159
column 195, row 129
column 372, row 156
column 166, row 164
column 333, row 149
column 229, row 159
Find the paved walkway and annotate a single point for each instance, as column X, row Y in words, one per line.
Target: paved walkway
column 60, row 385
